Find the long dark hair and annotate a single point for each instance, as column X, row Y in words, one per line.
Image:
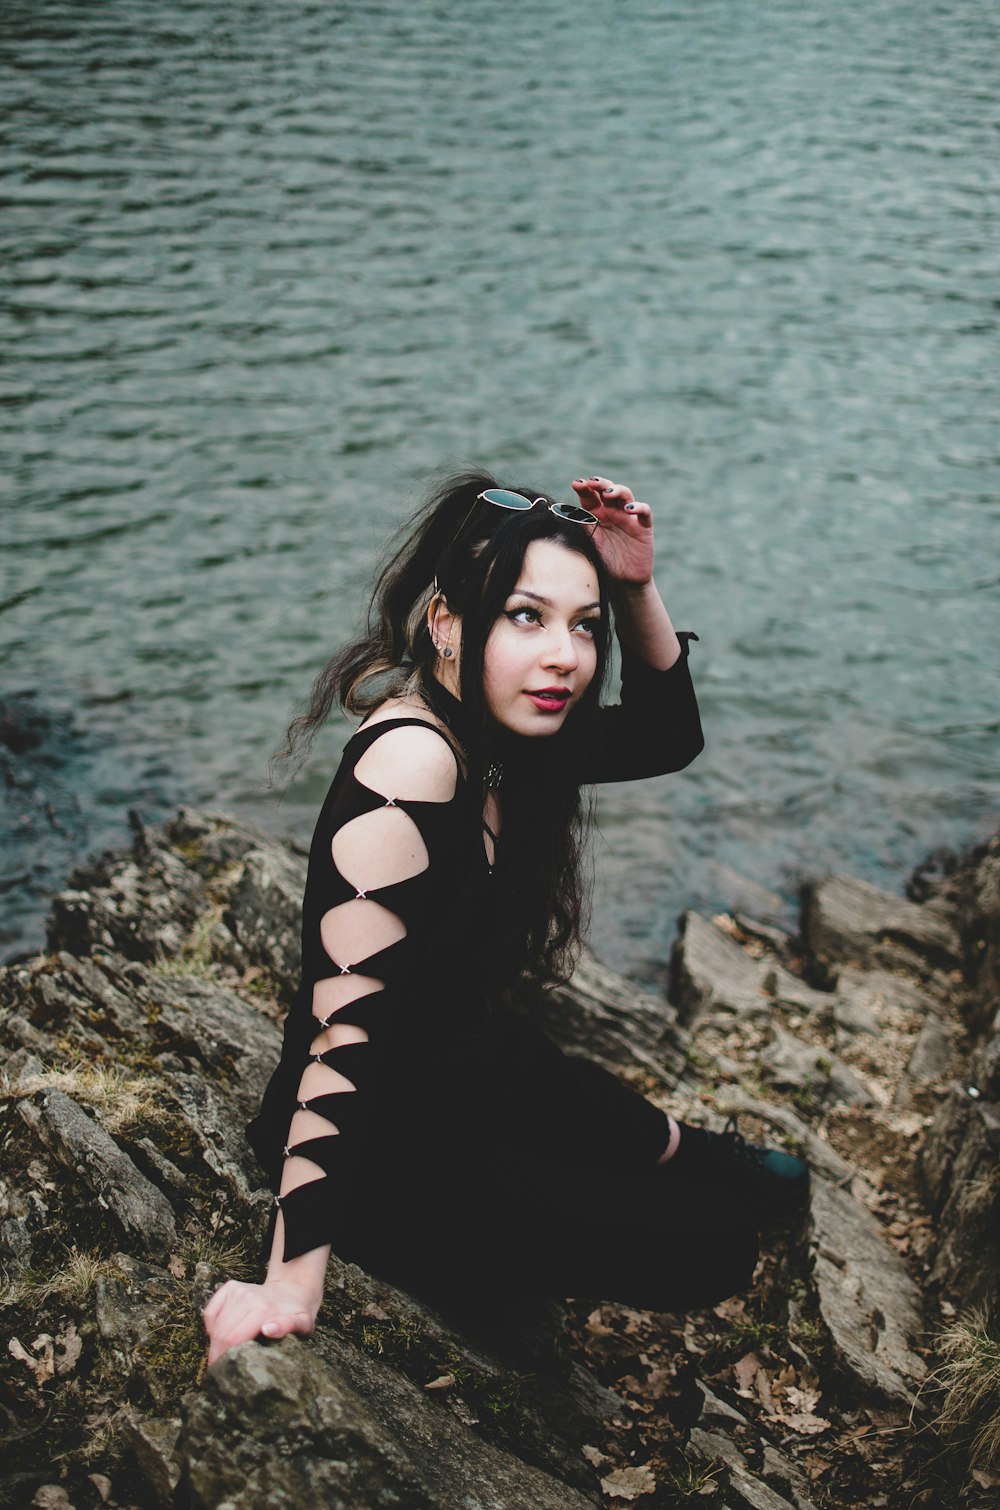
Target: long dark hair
column 473, row 553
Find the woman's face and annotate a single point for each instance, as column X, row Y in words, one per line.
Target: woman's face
column 541, row 654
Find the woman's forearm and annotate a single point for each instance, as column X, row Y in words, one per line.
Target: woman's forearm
column 306, row 1273
column 643, row 624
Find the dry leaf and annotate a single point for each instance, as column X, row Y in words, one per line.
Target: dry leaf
column 69, row 1346
column 52, row 1497
column 374, row 1311
column 658, row 1382
column 983, row 1479
column 444, row 1381
column 462, row 1411
column 596, row 1326
column 20, row 1352
column 802, row 1399
column 44, row 1367
column 628, row 1483
column 762, row 1385
column 177, row 1266
column 692, row 1342
column 730, row 1310
column 102, row 1484
column 595, row 1457
column 746, row 1371
column 804, row 1422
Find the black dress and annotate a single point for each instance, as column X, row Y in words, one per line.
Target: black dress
column 456, row 1149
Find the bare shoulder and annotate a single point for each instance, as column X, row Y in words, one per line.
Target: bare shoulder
column 409, row 762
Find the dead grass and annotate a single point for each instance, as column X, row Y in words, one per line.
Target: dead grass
column 122, row 1097
column 970, row 1379
column 73, row 1283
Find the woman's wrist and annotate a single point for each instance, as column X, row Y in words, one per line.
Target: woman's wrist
column 643, row 624
column 303, row 1276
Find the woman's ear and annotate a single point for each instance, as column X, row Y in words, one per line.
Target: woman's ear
column 445, row 628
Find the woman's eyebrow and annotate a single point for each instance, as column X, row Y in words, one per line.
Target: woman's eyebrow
column 525, row 592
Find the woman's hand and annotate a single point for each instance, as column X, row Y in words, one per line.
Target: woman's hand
column 624, row 535
column 238, row 1312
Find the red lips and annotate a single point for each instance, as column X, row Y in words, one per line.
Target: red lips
column 550, row 699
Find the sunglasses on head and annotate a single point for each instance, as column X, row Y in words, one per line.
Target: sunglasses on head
column 503, row 498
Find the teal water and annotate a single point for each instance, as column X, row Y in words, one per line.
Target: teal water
column 265, row 266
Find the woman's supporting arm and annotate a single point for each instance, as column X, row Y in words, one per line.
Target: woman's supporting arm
column 338, row 1044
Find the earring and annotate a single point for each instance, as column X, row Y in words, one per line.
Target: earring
column 447, row 652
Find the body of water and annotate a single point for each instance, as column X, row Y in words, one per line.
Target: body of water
column 265, row 266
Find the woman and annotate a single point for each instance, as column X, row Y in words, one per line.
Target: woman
column 418, row 1124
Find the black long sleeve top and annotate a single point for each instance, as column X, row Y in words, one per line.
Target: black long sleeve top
column 442, row 1084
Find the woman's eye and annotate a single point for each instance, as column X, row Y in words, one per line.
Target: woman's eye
column 589, row 626
column 524, row 615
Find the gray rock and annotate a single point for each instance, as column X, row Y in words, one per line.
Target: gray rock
column 967, row 1261
column 943, row 1142
column 278, row 1426
column 868, row 1303
column 512, row 1359
column 985, row 1071
column 217, row 1125
column 866, row 1001
column 78, row 1141
column 151, row 1443
column 932, row 1053
column 143, row 909
column 709, row 970
column 847, row 920
column 264, row 912
column 778, row 1485
column 788, row 990
column 158, row 1168
column 789, row 1062
column 128, row 1302
column 150, row 1332
column 212, row 1029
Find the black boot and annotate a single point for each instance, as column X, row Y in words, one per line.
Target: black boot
column 771, row 1182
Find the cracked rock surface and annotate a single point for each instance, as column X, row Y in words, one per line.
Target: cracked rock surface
column 137, row 1047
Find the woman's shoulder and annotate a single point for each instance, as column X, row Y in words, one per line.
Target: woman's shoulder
column 407, row 752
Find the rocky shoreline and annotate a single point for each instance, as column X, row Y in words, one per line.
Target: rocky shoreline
column 863, row 1365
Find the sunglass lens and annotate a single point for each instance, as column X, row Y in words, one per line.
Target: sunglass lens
column 504, row 499
column 571, row 512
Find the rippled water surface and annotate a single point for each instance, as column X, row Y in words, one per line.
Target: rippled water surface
column 265, row 266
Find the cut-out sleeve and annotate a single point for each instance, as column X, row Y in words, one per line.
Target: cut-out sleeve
column 655, row 728
column 372, row 874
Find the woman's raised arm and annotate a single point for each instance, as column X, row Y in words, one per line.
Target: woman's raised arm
column 624, row 537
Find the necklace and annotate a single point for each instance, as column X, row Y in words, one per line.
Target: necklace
column 494, row 775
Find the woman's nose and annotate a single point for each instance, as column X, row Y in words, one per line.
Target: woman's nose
column 561, row 650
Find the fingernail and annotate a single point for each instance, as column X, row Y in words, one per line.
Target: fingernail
column 608, row 490
column 578, row 479
column 630, row 508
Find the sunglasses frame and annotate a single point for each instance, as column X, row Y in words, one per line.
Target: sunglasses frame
column 568, row 511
